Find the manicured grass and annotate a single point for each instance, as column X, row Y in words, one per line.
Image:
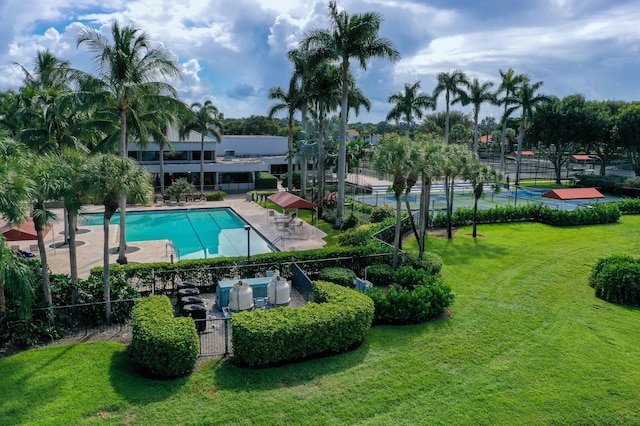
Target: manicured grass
column 526, row 343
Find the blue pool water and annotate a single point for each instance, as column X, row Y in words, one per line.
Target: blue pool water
column 197, row 234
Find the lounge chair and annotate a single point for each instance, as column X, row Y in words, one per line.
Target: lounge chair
column 172, row 199
column 182, row 200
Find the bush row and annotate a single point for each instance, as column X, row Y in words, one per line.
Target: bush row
column 629, row 205
column 338, row 321
column 162, row 346
column 340, row 276
column 596, row 213
column 617, row 279
column 421, row 296
column 266, row 181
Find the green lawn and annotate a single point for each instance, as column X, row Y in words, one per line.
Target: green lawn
column 527, row 343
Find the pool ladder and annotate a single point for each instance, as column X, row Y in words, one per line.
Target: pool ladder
column 277, row 240
column 170, row 249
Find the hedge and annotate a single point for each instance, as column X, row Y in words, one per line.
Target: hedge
column 340, row 276
column 616, row 279
column 338, row 321
column 162, row 346
column 266, row 181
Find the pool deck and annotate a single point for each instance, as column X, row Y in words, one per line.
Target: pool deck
column 90, row 238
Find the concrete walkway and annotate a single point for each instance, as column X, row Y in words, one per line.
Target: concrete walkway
column 90, row 239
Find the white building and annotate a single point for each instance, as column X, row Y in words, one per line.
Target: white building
column 231, row 165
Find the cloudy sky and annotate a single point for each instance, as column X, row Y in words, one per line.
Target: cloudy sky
column 233, row 51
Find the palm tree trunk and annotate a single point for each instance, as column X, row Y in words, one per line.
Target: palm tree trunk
column 519, row 153
column 73, row 259
column 503, row 137
column 475, row 215
column 290, row 154
column 105, row 266
column 122, row 246
column 413, row 224
column 475, row 133
column 342, row 156
column 398, row 230
column 46, row 282
column 320, row 170
column 449, row 187
column 162, row 170
column 407, row 131
column 425, row 199
column 446, row 120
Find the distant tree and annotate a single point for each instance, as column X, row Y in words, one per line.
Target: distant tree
column 508, row 86
column 478, row 175
column 454, row 161
column 477, row 93
column 409, row 104
column 629, row 132
column 452, row 85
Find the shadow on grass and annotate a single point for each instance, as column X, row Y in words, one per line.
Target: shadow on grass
column 137, row 389
column 233, row 378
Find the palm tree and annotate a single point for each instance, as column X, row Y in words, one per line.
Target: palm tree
column 508, row 85
column 451, row 84
column 477, row 95
column 110, row 177
column 302, row 72
column 130, row 69
column 393, row 156
column 478, row 174
column 409, row 104
column 290, row 101
column 526, row 99
column 16, row 190
column 427, row 161
column 206, row 120
column 455, row 159
column 349, row 36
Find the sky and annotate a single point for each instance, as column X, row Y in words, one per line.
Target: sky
column 233, row 51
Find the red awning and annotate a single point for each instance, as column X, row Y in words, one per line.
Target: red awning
column 524, row 153
column 290, row 201
column 573, row 194
column 22, row 232
column 582, row 157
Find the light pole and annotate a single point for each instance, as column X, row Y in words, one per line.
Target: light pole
column 248, row 229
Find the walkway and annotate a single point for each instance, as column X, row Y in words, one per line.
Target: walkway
column 90, row 238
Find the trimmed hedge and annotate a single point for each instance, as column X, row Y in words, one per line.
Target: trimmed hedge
column 629, row 206
column 162, row 346
column 340, row 276
column 380, row 274
column 266, row 181
column 338, row 321
column 616, row 279
column 216, row 196
column 422, row 296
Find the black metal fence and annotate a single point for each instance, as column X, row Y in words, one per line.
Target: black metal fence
column 215, row 336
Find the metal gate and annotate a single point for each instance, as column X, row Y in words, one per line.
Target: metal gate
column 215, row 336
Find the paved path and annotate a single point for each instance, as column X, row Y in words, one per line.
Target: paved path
column 90, row 238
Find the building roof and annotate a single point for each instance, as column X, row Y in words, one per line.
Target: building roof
column 22, row 232
column 173, row 135
column 287, row 200
column 573, row 194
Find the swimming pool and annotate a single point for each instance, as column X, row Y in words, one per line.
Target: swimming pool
column 197, row 233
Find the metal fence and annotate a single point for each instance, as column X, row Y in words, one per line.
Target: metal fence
column 215, row 336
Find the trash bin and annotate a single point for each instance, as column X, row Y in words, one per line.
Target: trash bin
column 185, row 292
column 190, row 300
column 198, row 312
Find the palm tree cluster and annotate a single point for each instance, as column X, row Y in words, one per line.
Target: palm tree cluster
column 322, row 81
column 62, row 129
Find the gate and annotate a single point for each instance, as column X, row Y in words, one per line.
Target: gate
column 215, row 336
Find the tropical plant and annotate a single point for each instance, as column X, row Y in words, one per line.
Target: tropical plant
column 508, row 86
column 478, row 175
column 451, row 84
column 290, row 101
column 527, row 100
column 131, row 72
column 393, row 156
column 206, row 120
column 478, row 94
column 428, row 163
column 409, row 104
column 455, row 160
column 349, row 36
column 111, row 176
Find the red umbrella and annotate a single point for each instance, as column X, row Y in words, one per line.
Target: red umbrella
column 22, row 232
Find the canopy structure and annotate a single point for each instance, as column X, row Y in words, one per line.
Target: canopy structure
column 524, row 153
column 287, row 200
column 573, row 194
column 24, row 231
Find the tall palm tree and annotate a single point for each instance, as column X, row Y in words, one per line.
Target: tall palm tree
column 527, row 100
column 427, row 162
column 452, row 84
column 110, row 176
column 409, row 104
column 508, row 85
column 206, row 120
column 130, row 69
column 455, row 160
column 478, row 94
column 393, row 156
column 291, row 101
column 349, row 36
column 302, row 72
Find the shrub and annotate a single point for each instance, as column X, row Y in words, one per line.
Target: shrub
column 422, row 297
column 380, row 274
column 330, row 200
column 382, row 212
column 338, row 321
column 181, row 186
column 162, row 346
column 629, row 206
column 431, row 262
column 355, row 237
column 340, row 276
column 266, row 181
column 350, row 222
column 216, row 196
column 617, row 279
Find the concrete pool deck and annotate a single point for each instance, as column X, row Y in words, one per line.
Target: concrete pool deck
column 90, row 239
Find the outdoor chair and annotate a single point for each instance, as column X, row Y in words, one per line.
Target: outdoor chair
column 33, row 248
column 172, row 199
